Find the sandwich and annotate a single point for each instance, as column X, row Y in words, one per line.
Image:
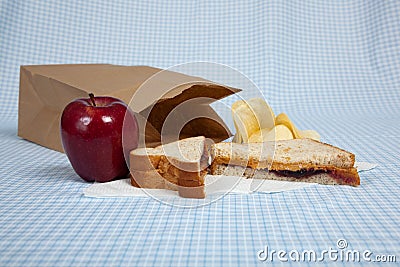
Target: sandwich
column 300, row 160
column 179, row 166
column 182, row 165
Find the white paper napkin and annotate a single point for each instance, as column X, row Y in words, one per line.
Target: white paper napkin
column 214, row 185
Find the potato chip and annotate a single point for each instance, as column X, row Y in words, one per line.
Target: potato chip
column 237, row 138
column 279, row 132
column 283, row 119
column 255, row 122
column 310, row 134
column 250, row 116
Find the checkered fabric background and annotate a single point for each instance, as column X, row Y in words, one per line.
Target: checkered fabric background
column 333, row 66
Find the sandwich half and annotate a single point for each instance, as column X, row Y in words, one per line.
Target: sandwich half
column 179, row 166
column 302, row 160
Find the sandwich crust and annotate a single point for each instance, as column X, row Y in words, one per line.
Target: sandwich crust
column 179, row 166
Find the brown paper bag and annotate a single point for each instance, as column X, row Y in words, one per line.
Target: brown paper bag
column 152, row 93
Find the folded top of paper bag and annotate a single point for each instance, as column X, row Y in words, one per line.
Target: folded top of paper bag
column 46, row 89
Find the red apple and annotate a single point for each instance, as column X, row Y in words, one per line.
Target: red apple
column 91, row 134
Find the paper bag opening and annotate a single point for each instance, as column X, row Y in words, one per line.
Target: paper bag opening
column 185, row 115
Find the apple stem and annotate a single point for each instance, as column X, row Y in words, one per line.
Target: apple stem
column 91, row 95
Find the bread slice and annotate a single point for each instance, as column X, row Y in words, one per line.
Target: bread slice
column 153, row 179
column 322, row 177
column 179, row 166
column 303, row 160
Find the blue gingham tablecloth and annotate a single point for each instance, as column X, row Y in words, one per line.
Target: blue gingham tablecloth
column 331, row 65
